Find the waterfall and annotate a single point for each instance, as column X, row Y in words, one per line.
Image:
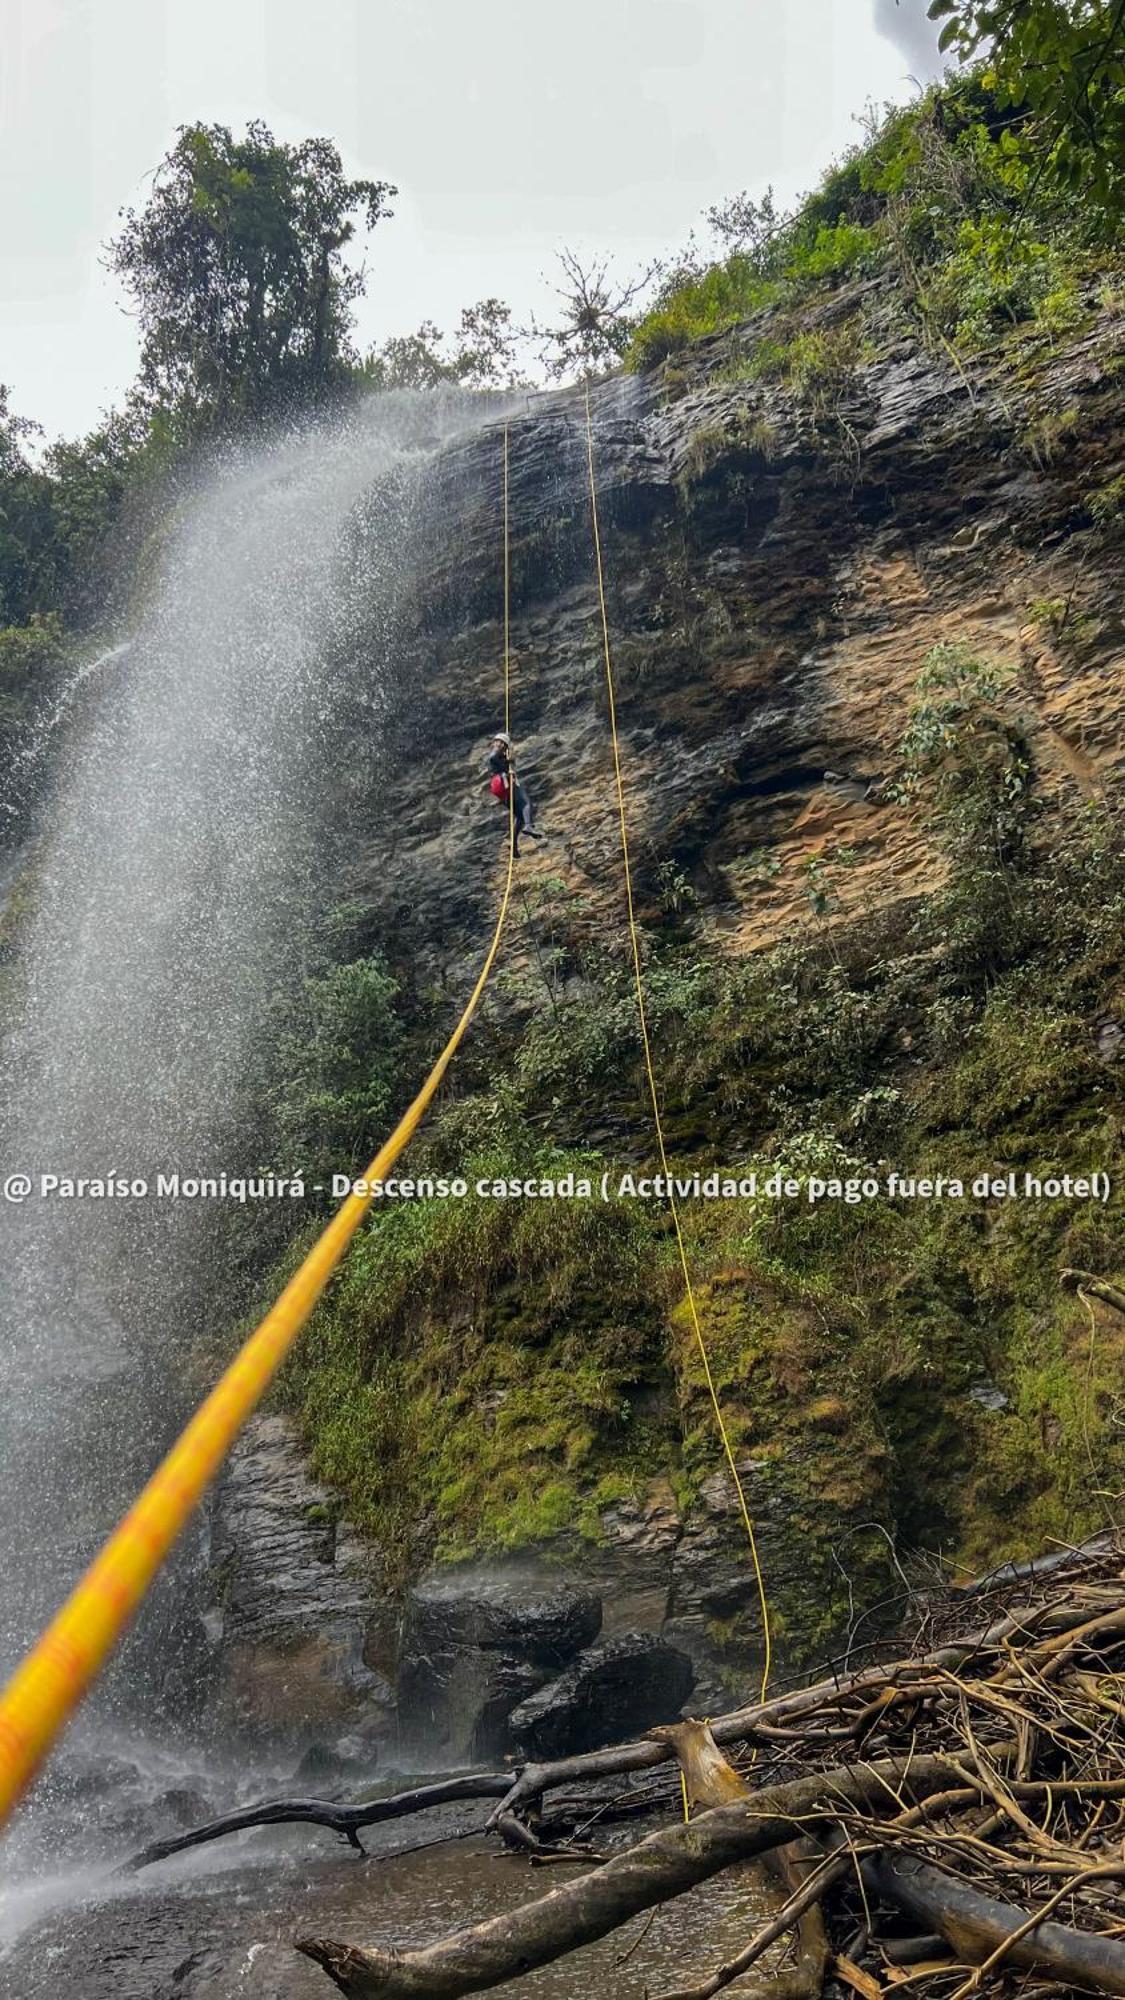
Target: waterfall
column 172, row 879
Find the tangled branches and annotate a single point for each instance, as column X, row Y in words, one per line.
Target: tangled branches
column 957, row 1818
column 951, row 1822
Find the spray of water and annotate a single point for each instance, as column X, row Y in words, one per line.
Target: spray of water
column 172, row 878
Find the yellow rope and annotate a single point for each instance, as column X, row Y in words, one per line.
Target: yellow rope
column 507, row 618
column 658, row 1122
column 47, row 1687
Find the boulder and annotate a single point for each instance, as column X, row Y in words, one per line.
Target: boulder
column 477, row 1645
column 612, row 1690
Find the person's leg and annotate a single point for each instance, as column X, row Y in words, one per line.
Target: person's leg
column 525, row 813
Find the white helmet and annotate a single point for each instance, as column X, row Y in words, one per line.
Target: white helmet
column 503, row 737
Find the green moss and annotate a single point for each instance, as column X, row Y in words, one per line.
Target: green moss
column 472, row 1381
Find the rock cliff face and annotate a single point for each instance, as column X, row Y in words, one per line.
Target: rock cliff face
column 775, row 584
column 295, row 1610
column 778, row 570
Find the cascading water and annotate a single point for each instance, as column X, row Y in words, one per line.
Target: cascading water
column 172, row 882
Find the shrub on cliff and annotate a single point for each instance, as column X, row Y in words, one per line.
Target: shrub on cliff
column 336, row 1055
column 972, row 198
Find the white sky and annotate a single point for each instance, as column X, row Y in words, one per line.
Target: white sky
column 510, row 128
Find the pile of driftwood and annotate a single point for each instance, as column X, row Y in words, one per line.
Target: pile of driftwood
column 944, row 1823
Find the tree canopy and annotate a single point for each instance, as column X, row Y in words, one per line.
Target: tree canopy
column 28, row 557
column 1061, row 63
column 236, row 267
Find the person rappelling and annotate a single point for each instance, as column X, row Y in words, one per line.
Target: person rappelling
column 501, row 764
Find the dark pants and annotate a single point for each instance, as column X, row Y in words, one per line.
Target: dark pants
column 523, row 817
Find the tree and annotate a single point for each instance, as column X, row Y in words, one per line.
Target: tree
column 486, row 354
column 597, row 321
column 99, row 484
column 236, row 267
column 741, row 223
column 29, row 579
column 1061, row 63
column 483, row 354
column 409, row 360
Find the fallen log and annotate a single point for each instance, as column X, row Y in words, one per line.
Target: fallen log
column 742, row 1725
column 978, row 1926
column 346, row 1820
column 710, row 1781
column 663, row 1866
column 754, row 1723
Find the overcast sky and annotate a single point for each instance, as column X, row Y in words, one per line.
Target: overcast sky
column 509, row 127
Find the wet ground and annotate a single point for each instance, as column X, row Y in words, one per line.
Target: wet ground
column 219, row 1924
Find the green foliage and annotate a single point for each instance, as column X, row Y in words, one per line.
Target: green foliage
column 61, row 519
column 994, row 277
column 31, row 658
column 820, row 366
column 701, row 302
column 235, row 267
column 828, row 251
column 482, row 354
column 1058, row 66
column 718, row 298
column 1106, row 504
column 474, row 1376
column 973, row 197
column 336, row 1055
column 970, row 762
column 956, row 698
column 1024, row 1065
column 108, row 488
column 29, row 555
column 1049, row 434
column 748, row 432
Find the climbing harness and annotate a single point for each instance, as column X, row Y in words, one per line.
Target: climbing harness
column 646, row 1045
column 47, row 1687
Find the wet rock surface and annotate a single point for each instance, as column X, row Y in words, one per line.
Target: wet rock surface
column 775, row 583
column 295, row 1596
column 225, row 1929
column 617, row 1689
column 474, row 1646
column 776, row 579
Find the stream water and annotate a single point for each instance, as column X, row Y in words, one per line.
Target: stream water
column 221, row 1926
